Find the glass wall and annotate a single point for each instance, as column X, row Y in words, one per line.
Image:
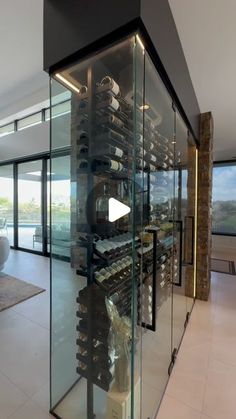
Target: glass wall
column 24, row 204
column 7, row 202
column 122, row 207
column 184, row 221
column 30, row 235
column 224, row 199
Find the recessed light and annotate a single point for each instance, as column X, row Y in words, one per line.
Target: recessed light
column 67, row 82
column 140, row 42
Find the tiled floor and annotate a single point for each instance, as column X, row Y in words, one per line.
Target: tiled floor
column 24, row 344
column 203, row 381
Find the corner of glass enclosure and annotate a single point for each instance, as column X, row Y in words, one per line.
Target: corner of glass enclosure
column 122, row 221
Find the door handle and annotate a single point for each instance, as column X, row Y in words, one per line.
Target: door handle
column 188, row 251
column 180, row 224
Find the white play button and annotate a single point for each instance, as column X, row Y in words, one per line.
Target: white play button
column 117, row 209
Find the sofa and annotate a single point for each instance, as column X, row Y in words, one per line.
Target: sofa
column 4, row 251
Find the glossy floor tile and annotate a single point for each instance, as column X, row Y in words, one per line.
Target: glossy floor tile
column 203, row 381
column 24, row 344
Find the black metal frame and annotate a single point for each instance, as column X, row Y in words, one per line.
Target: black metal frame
column 152, row 326
column 44, row 157
column 190, row 217
column 132, row 28
column 180, row 224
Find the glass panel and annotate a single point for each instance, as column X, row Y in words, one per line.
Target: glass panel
column 184, row 199
column 7, row 129
column 29, row 121
column 48, row 206
column 6, row 202
column 60, row 207
column 224, row 199
column 29, row 205
column 98, row 288
column 158, row 240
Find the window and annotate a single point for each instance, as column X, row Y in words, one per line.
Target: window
column 29, row 121
column 7, row 129
column 58, row 110
column 224, row 199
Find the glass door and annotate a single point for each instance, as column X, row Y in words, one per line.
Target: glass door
column 30, row 229
column 7, row 202
column 158, row 240
column 184, row 222
column 95, row 335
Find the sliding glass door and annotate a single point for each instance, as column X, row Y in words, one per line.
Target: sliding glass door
column 30, row 229
column 7, row 202
column 24, row 204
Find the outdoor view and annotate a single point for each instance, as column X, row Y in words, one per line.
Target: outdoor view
column 224, row 199
column 29, row 205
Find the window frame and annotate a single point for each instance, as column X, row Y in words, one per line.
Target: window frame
column 222, row 163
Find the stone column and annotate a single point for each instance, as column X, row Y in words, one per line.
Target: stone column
column 205, row 164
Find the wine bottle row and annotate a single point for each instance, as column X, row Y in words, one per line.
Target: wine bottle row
column 114, row 259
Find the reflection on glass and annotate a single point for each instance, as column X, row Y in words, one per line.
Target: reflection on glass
column 30, row 234
column 112, row 333
column 6, row 202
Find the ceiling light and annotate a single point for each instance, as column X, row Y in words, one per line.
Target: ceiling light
column 173, row 142
column 144, row 107
column 68, row 83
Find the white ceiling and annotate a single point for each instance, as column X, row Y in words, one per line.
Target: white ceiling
column 207, row 30
column 21, row 51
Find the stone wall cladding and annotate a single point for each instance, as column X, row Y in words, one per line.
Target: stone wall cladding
column 205, row 165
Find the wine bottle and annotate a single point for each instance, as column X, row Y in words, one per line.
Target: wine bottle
column 112, row 134
column 83, row 90
column 111, row 150
column 152, row 168
column 102, row 204
column 83, row 149
column 82, row 164
column 107, row 165
column 110, row 102
column 152, row 158
column 112, row 120
column 141, row 164
column 113, row 87
column 151, row 146
column 83, row 135
column 139, row 139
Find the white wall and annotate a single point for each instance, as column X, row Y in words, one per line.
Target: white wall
column 23, row 143
column 224, row 244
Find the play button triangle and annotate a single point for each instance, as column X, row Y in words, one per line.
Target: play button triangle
column 117, row 209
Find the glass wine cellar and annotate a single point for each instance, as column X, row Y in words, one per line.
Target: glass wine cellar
column 123, row 223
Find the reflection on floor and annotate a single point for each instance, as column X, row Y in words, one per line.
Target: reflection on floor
column 203, row 382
